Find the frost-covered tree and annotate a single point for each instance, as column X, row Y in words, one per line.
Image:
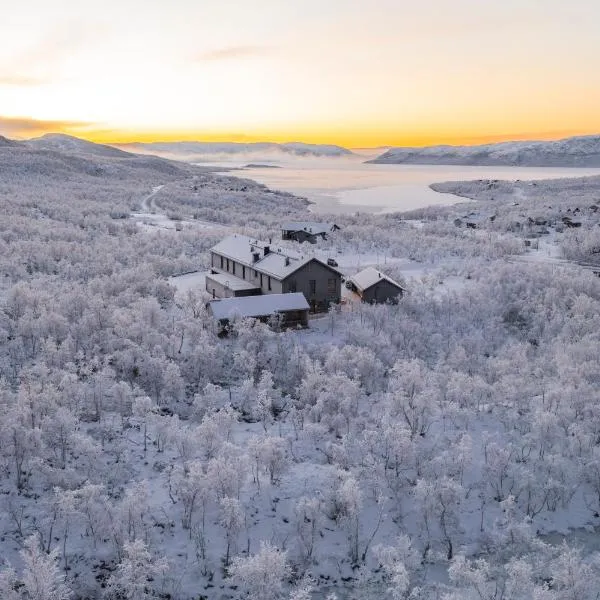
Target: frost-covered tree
column 42, row 578
column 232, row 519
column 137, row 576
column 262, row 575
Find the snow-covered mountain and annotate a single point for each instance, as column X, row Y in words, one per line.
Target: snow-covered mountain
column 73, row 145
column 583, row 151
column 59, row 157
column 207, row 151
column 6, row 142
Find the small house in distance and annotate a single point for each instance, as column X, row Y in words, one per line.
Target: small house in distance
column 306, row 231
column 375, row 287
column 292, row 309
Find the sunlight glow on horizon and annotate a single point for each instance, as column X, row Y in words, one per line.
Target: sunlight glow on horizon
column 396, row 74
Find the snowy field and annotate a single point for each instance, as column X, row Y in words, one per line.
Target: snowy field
column 442, row 448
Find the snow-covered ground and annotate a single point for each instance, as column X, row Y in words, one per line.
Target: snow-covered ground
column 439, row 448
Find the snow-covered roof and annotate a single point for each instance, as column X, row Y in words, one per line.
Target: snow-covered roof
column 308, row 226
column 231, row 282
column 278, row 262
column 258, row 306
column 368, row 277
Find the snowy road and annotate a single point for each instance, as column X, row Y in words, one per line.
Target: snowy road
column 151, row 218
column 148, row 205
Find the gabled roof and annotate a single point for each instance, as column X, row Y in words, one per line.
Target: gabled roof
column 368, row 277
column 257, row 306
column 308, row 227
column 278, row 263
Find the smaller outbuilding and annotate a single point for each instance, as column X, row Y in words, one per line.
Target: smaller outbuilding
column 306, row 231
column 227, row 286
column 292, row 308
column 375, row 287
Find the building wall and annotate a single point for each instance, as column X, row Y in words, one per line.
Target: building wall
column 267, row 284
column 302, row 236
column 290, row 318
column 323, row 294
column 218, row 290
column 382, row 291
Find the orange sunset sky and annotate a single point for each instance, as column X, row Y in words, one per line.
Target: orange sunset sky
column 355, row 73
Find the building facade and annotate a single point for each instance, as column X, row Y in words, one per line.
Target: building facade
column 245, row 266
column 375, row 287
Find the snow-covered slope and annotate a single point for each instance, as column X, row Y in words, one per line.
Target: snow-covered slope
column 28, row 160
column 74, row 145
column 6, row 142
column 212, row 150
column 581, row 151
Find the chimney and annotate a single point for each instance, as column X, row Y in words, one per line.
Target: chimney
column 287, row 261
column 255, row 257
column 267, row 250
column 270, row 240
column 379, row 275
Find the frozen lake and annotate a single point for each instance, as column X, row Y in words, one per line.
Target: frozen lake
column 347, row 185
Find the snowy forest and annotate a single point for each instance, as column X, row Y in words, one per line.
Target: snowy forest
column 446, row 447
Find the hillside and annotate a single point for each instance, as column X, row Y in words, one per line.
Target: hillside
column 6, row 142
column 581, row 151
column 387, row 451
column 74, row 145
column 18, row 159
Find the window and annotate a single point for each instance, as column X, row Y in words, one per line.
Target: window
column 293, row 286
column 331, row 287
column 269, row 283
column 261, row 281
column 228, row 265
column 222, row 262
column 233, row 267
column 313, row 286
column 243, row 272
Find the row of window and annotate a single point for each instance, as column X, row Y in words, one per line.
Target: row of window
column 312, row 283
column 331, row 286
column 229, row 266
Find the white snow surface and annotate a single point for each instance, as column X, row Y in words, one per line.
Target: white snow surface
column 464, row 418
column 257, row 306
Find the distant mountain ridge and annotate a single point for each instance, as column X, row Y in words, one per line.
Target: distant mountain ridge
column 580, row 151
column 61, row 142
column 233, row 148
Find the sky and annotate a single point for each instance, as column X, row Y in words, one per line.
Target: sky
column 352, row 72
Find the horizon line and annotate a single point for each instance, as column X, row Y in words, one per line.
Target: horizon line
column 100, row 137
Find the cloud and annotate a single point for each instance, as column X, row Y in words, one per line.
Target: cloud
column 23, row 127
column 233, row 53
column 21, row 80
column 43, row 61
